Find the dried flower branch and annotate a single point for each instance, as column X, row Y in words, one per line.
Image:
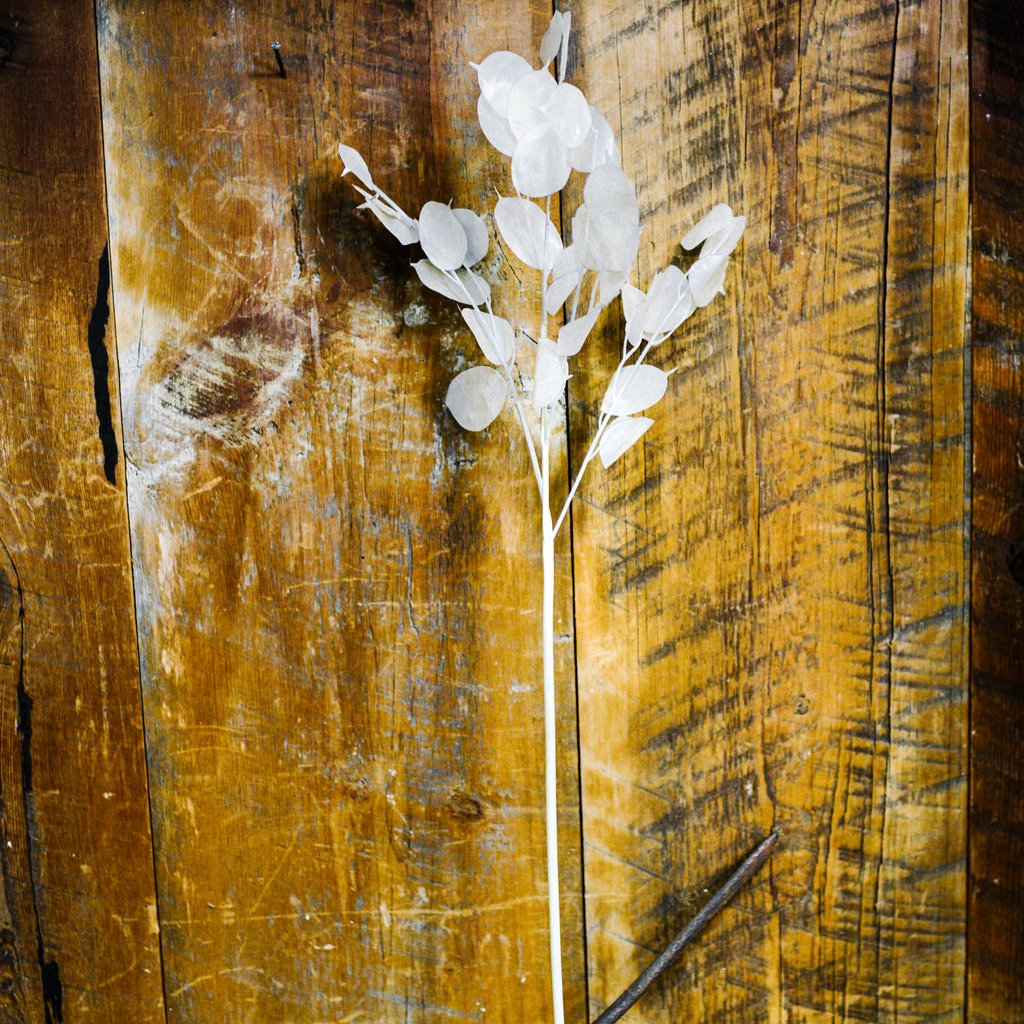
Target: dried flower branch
column 549, row 130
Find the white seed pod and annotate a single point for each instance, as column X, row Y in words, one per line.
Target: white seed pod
column 706, row 278
column 620, row 435
column 716, row 219
column 496, row 128
column 476, row 396
column 572, row 336
column 598, row 147
column 494, row 335
column 497, row 73
column 442, row 237
column 633, row 389
column 551, row 43
column 631, row 298
column 550, row 373
column 723, row 242
column 467, row 288
column 476, row 235
column 608, row 189
column 402, row 226
column 609, row 284
column 540, row 164
column 528, row 100
column 559, row 291
column 528, row 232
column 568, row 113
column 355, row 165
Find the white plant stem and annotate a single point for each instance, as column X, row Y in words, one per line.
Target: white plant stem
column 550, row 747
column 602, row 422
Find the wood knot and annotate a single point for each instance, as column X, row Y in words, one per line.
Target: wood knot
column 803, row 705
column 466, row 806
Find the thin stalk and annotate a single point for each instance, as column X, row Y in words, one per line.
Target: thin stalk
column 550, row 768
column 544, row 272
column 602, row 421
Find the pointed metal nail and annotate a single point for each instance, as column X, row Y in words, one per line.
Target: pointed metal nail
column 735, row 882
column 276, row 47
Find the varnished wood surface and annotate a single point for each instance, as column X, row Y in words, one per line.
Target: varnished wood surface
column 771, row 591
column 764, row 608
column 996, row 908
column 78, row 927
column 337, row 590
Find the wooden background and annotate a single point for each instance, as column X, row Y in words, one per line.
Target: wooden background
column 271, row 715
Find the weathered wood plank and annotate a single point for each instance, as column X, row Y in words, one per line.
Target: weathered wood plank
column 995, row 927
column 78, row 935
column 338, row 591
column 771, row 591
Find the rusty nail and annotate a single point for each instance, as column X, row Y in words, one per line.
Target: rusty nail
column 657, row 967
column 276, row 47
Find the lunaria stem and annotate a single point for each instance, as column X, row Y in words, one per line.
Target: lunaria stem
column 550, row 766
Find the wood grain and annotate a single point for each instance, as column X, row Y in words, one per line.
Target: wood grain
column 996, row 910
column 771, row 591
column 78, row 935
column 338, row 591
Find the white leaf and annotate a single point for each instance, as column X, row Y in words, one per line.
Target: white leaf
column 712, row 222
column 723, row 242
column 469, row 288
column 550, row 373
column 355, row 165
column 528, row 232
column 476, row 396
column 493, row 334
column 631, row 298
column 633, row 389
column 442, row 237
column 568, row 113
column 476, row 235
column 540, row 164
column 497, row 73
column 552, row 41
column 620, row 435
column 527, row 100
column 402, row 227
column 559, row 291
column 706, row 277
column 495, row 127
column 572, row 336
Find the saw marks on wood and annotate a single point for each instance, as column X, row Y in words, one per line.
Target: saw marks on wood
column 771, row 589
